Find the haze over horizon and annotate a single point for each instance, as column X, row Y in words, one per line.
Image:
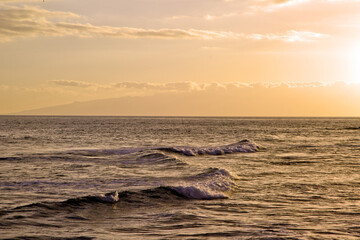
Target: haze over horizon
column 179, row 57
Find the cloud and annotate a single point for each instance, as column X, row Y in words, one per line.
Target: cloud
column 27, row 22
column 22, row 22
column 140, row 86
column 272, row 5
column 72, row 83
column 210, row 17
column 171, row 86
column 281, row 2
column 187, row 86
column 211, row 99
column 289, row 36
column 18, row 1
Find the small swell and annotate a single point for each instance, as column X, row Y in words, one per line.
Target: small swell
column 151, row 157
column 155, row 159
column 352, row 128
column 29, row 137
column 244, row 146
column 103, row 152
column 10, row 159
column 284, row 163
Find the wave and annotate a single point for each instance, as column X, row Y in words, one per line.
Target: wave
column 137, row 199
column 154, row 159
column 10, row 159
column 352, row 128
column 101, row 152
column 212, row 184
column 244, row 146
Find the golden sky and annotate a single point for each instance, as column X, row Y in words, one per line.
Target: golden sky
column 187, row 57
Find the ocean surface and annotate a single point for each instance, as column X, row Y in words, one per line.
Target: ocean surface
column 179, row 178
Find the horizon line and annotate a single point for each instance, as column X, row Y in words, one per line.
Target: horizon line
column 167, row 116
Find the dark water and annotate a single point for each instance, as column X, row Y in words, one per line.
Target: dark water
column 179, row 178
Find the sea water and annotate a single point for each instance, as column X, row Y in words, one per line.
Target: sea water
column 179, row 178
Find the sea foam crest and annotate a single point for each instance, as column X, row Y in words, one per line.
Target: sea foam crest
column 112, row 197
column 245, row 146
column 214, row 184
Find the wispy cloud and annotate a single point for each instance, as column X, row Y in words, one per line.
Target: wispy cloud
column 289, row 36
column 186, row 86
column 18, row 1
column 210, row 17
column 22, row 22
column 140, row 86
column 27, row 22
column 72, row 83
column 272, row 5
column 191, row 98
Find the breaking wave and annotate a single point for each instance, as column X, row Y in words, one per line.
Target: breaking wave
column 244, row 146
column 212, row 184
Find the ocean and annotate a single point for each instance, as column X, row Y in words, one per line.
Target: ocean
column 179, row 178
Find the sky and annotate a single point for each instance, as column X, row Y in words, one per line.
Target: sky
column 181, row 57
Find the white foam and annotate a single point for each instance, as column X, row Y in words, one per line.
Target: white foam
column 214, row 184
column 109, row 197
column 198, row 192
column 244, row 146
